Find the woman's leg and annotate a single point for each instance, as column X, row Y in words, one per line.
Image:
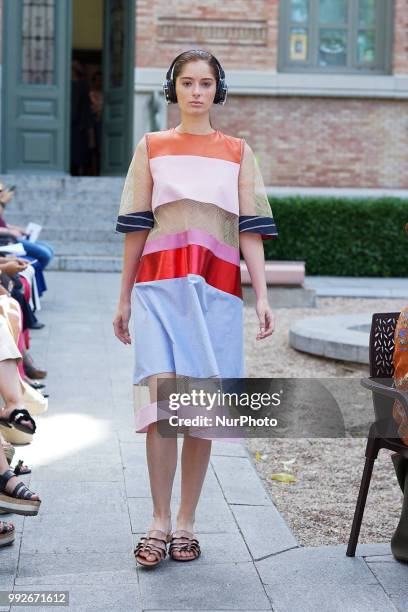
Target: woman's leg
column 194, row 463
column 37, row 250
column 162, row 463
column 10, row 389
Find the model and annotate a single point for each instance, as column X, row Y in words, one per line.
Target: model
column 193, row 198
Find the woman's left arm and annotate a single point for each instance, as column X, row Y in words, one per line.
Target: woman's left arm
column 256, row 224
column 251, row 246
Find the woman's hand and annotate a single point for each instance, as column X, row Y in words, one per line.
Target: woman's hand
column 6, row 196
column 13, row 267
column 17, row 233
column 266, row 318
column 121, row 322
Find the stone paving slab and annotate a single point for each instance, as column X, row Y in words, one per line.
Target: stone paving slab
column 78, row 532
column 228, row 586
column 288, row 597
column 88, row 568
column 394, row 579
column 264, row 530
column 232, row 472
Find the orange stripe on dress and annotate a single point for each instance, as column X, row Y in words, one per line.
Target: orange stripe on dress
column 217, row 145
column 191, row 259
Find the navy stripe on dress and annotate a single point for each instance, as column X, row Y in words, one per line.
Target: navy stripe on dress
column 257, row 224
column 134, row 222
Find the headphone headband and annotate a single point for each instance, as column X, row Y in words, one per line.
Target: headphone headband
column 169, row 87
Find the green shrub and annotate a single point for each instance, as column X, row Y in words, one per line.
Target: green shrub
column 341, row 237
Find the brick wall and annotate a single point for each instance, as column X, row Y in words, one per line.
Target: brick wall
column 249, row 28
column 320, row 142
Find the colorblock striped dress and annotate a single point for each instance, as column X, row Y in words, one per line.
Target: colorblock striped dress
column 195, row 194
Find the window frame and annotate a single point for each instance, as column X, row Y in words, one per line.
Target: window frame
column 383, row 48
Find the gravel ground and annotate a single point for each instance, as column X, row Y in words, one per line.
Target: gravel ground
column 319, row 506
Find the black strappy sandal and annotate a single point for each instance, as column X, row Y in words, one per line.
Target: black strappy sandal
column 19, row 469
column 182, row 540
column 19, row 500
column 14, row 420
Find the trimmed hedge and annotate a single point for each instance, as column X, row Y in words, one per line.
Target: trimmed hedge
column 341, row 237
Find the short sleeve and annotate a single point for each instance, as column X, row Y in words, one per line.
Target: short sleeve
column 255, row 214
column 135, row 210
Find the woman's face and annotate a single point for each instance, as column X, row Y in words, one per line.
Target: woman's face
column 195, row 88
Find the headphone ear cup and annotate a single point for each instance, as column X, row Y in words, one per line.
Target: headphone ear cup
column 218, row 90
column 220, row 94
column 169, row 92
column 172, row 92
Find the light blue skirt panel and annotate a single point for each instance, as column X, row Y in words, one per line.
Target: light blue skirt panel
column 186, row 326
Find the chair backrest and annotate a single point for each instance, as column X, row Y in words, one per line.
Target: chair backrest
column 382, row 344
column 381, row 354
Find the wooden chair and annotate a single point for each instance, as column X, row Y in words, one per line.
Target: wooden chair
column 383, row 432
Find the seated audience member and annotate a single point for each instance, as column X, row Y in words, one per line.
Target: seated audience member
column 28, row 371
column 13, row 267
column 40, row 253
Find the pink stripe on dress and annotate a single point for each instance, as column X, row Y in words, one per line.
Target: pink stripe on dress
column 194, row 236
column 204, row 179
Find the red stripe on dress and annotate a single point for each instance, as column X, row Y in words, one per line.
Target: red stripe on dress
column 191, row 259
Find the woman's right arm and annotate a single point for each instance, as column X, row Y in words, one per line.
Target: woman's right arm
column 135, row 220
column 133, row 247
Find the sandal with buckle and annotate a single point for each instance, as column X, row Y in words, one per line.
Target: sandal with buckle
column 19, row 500
column 14, row 420
column 178, row 543
column 155, row 543
column 7, row 535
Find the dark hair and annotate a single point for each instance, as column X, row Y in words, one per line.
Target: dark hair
column 194, row 56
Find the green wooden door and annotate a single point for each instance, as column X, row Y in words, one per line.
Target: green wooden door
column 118, row 79
column 36, row 86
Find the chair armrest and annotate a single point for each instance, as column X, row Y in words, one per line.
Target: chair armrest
column 391, row 392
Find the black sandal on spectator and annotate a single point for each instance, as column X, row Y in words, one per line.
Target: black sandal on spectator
column 14, row 420
column 36, row 385
column 19, row 500
column 21, row 469
column 7, row 535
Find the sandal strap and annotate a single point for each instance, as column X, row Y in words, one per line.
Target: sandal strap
column 146, row 545
column 21, row 414
column 192, row 545
column 22, row 492
column 4, row 478
column 177, row 544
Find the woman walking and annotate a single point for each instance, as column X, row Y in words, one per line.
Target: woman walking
column 193, row 197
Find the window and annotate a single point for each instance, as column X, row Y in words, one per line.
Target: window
column 336, row 36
